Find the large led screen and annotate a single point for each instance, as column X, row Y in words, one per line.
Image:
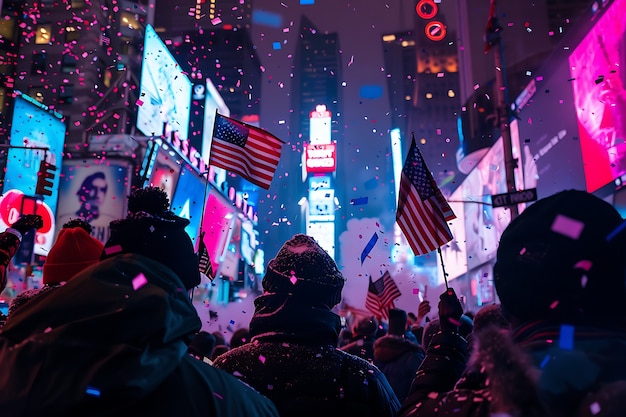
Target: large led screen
column 95, row 190
column 166, row 170
column 33, row 126
column 598, row 79
column 213, row 102
column 484, row 224
column 189, row 197
column 165, row 91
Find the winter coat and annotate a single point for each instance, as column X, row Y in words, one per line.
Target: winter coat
column 292, row 359
column 362, row 346
column 540, row 370
column 112, row 342
column 399, row 359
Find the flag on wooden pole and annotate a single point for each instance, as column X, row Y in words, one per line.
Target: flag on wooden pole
column 245, row 150
column 423, row 211
column 381, row 295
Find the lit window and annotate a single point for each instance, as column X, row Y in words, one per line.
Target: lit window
column 423, row 141
column 429, row 95
column 78, row 4
column 36, row 93
column 451, row 93
column 129, row 21
column 7, row 28
column 43, row 34
column 71, row 34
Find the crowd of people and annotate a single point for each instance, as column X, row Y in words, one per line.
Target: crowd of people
column 113, row 330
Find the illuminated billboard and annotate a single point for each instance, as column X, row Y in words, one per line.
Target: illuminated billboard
column 213, row 102
column 598, row 79
column 33, row 126
column 95, row 190
column 188, row 200
column 165, row 91
column 320, row 125
column 320, row 158
column 165, row 170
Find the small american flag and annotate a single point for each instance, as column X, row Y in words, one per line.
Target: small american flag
column 245, row 150
column 204, row 260
column 422, row 210
column 381, row 295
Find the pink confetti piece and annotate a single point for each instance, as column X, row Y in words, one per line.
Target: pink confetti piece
column 567, row 226
column 583, row 281
column 113, row 249
column 594, row 408
column 48, row 330
column 262, row 358
column 416, row 291
column 218, row 396
column 584, row 265
column 139, row 281
column 554, row 304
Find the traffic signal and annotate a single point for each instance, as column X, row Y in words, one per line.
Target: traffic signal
column 45, row 178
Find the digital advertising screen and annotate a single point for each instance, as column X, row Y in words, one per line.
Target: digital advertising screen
column 95, row 190
column 188, row 200
column 166, row 169
column 484, row 223
column 33, row 126
column 165, row 91
column 213, row 102
column 598, row 79
column 217, row 224
column 454, row 253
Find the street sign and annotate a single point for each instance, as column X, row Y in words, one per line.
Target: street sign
column 516, row 197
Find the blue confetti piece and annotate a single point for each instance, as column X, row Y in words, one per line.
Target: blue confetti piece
column 358, row 201
column 276, row 46
column 371, row 91
column 307, row 1
column 368, row 248
column 94, row 392
column 545, row 361
column 263, row 17
column 566, row 338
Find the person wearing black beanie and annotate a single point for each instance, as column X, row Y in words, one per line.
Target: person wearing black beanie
column 560, row 276
column 114, row 339
column 292, row 357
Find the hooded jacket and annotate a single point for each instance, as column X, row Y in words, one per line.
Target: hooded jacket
column 112, row 341
column 399, row 359
column 293, row 359
column 541, row 370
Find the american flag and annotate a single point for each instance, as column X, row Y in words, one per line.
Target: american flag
column 245, row 150
column 422, row 210
column 204, row 259
column 381, row 295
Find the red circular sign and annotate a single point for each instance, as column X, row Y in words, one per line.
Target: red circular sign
column 426, row 9
column 435, row 30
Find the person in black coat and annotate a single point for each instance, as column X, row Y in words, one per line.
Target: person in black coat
column 363, row 338
column 559, row 274
column 113, row 341
column 292, row 357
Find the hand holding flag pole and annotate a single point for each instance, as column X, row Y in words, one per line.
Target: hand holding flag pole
column 423, row 211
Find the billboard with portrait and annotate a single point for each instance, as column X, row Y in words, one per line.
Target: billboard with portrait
column 95, row 190
column 165, row 91
column 188, row 200
column 598, row 79
column 33, row 126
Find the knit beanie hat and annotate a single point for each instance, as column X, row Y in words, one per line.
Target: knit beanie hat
column 563, row 259
column 150, row 229
column 73, row 251
column 303, row 270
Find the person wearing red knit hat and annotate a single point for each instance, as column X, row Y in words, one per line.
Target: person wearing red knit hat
column 73, row 251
